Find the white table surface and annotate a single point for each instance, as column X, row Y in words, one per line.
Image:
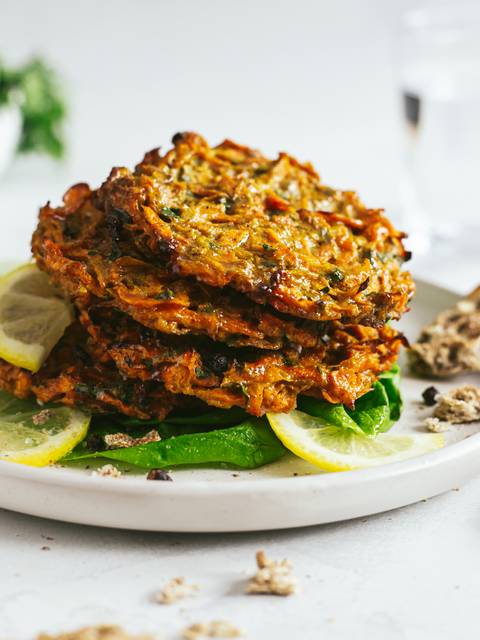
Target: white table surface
column 409, row 574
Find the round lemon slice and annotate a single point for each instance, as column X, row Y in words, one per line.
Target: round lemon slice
column 33, row 317
column 335, row 448
column 35, row 435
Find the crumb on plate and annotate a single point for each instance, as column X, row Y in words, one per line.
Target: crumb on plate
column 122, row 440
column 459, row 405
column 159, row 474
column 437, row 426
column 107, row 471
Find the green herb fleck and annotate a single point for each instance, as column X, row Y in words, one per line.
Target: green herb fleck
column 83, row 388
column 324, row 235
column 336, row 276
column 148, row 362
column 167, row 294
column 169, row 213
column 244, row 390
column 207, row 308
column 228, row 203
column 369, row 254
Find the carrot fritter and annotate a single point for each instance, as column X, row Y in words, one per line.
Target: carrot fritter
column 87, row 252
column 270, row 229
column 343, row 368
column 70, row 376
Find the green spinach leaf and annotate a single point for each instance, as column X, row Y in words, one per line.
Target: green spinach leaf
column 374, row 413
column 249, row 445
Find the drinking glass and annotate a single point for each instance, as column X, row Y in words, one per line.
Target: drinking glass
column 439, row 77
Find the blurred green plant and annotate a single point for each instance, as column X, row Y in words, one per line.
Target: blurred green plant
column 35, row 89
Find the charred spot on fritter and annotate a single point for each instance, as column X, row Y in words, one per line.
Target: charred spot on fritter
column 83, row 355
column 114, row 222
column 95, row 443
column 364, row 285
column 218, row 363
column 381, row 300
column 72, row 226
column 166, row 248
column 276, row 278
column 179, row 137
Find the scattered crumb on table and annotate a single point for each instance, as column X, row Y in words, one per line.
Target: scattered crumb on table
column 102, row 632
column 274, row 577
column 175, row 589
column 214, row 629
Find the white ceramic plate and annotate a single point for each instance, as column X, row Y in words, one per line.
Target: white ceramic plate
column 291, row 493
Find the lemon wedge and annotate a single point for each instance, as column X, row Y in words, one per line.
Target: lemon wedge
column 35, row 435
column 33, row 317
column 334, row 448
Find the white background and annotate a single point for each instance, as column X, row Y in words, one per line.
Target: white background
column 316, row 79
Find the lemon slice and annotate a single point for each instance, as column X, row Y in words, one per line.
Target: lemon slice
column 335, row 448
column 33, row 317
column 35, row 435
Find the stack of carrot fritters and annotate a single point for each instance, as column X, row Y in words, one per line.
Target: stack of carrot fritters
column 217, row 276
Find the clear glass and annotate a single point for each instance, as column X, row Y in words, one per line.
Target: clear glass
column 439, row 76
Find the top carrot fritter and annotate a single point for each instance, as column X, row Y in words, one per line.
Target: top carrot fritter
column 270, row 229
